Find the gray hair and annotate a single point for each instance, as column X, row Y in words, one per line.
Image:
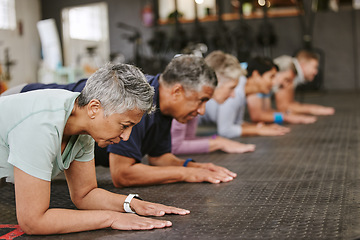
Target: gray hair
column 190, row 71
column 119, row 88
column 285, row 63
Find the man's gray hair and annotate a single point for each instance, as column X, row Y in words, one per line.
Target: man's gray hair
column 119, row 88
column 190, row 71
column 285, row 63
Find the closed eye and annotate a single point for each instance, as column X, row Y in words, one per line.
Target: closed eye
column 204, row 100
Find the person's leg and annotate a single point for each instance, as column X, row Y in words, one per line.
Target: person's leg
column 14, row 90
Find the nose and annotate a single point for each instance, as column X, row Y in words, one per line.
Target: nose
column 126, row 134
column 117, row 140
column 201, row 109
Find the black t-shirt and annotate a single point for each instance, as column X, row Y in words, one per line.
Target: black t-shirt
column 150, row 136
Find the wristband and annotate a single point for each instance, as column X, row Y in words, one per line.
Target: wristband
column 127, row 202
column 278, row 117
column 187, row 161
column 214, row 136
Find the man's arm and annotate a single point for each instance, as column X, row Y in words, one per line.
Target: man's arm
column 285, row 101
column 259, row 113
column 284, row 97
column 313, row 109
column 164, row 169
column 257, row 110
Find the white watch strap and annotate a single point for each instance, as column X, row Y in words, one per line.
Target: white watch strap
column 127, row 202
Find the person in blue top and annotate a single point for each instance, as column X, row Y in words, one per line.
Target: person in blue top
column 47, row 131
column 181, row 92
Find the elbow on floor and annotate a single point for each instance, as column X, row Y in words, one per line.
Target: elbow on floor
column 256, row 118
column 31, row 226
column 227, row 134
column 121, row 183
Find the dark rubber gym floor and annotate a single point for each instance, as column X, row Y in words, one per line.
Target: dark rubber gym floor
column 305, row 185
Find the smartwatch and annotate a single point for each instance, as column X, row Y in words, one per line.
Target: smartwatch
column 127, row 202
column 187, row 161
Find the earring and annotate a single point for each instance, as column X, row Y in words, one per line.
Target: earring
column 92, row 117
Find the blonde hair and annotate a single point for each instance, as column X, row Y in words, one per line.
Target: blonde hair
column 225, row 64
column 285, row 63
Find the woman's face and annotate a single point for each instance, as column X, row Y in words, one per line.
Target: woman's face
column 225, row 89
column 113, row 128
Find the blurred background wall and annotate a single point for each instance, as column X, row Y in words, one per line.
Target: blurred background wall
column 336, row 34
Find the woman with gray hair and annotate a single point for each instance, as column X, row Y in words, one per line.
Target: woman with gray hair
column 48, row 131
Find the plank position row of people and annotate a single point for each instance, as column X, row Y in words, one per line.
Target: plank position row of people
column 264, row 77
column 181, row 93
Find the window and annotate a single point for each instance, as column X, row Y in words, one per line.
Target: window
column 85, row 28
column 186, row 8
column 87, row 22
column 7, row 14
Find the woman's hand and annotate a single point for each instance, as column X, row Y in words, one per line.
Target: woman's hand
column 130, row 221
column 154, row 209
column 231, row 146
column 271, row 129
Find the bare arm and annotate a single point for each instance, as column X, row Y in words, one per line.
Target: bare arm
column 257, row 110
column 313, row 109
column 165, row 169
column 35, row 216
column 284, row 97
column 264, row 129
column 86, row 195
column 230, row 146
column 285, row 101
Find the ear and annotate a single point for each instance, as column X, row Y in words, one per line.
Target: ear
column 177, row 91
column 258, row 78
column 93, row 108
column 255, row 74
